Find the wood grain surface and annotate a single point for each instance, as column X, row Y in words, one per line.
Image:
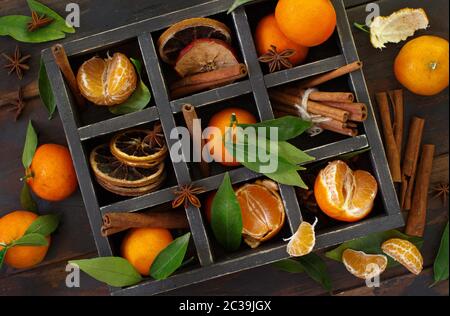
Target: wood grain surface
column 74, row 240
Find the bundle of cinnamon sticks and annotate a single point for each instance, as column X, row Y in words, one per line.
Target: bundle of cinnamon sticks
column 338, row 110
column 410, row 169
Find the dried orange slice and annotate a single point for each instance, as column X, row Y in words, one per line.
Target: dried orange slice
column 362, row 265
column 397, row 27
column 123, row 191
column 181, row 34
column 404, row 252
column 303, row 241
column 139, row 147
column 109, row 170
column 109, row 81
column 343, row 194
column 263, row 213
column 204, row 55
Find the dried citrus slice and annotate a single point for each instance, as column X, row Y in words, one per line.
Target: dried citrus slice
column 123, row 191
column 108, row 169
column 343, row 194
column 204, row 55
column 181, row 34
column 362, row 265
column 262, row 210
column 139, row 146
column 404, row 252
column 303, row 241
column 397, row 27
column 109, row 81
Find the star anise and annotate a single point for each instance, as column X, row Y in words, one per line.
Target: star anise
column 155, row 137
column 17, row 63
column 38, row 21
column 441, row 191
column 187, row 194
column 17, row 105
column 278, row 60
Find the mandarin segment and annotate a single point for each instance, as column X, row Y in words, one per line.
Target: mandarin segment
column 362, row 265
column 404, row 252
column 12, row 227
column 303, row 241
column 344, row 194
column 109, row 81
column 263, row 213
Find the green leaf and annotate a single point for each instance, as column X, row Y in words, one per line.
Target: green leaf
column 371, row 244
column 114, row 271
column 441, row 262
column 44, row 225
column 289, row 265
column 293, row 154
column 138, row 100
column 237, row 3
column 45, row 91
column 361, row 27
column 316, row 269
column 16, row 27
column 289, row 127
column 2, row 255
column 26, row 199
column 29, row 149
column 170, row 259
column 30, row 240
column 59, row 21
column 288, row 177
column 226, row 216
column 354, row 154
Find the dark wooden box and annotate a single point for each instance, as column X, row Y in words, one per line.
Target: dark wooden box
column 86, row 129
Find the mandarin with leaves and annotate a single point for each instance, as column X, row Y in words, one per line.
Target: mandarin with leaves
column 12, row 227
column 221, row 121
column 51, row 175
column 141, row 246
column 268, row 34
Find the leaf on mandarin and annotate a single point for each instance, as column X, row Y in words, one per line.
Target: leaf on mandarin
column 441, row 262
column 44, row 225
column 30, row 240
column 2, row 255
column 170, row 258
column 31, row 142
column 45, row 91
column 26, row 199
column 226, row 216
column 114, row 271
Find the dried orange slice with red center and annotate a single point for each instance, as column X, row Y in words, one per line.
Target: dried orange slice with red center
column 362, row 265
column 181, row 34
column 263, row 212
column 404, row 252
column 109, row 81
column 343, row 194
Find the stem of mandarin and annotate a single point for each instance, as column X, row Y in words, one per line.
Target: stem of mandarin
column 26, row 177
column 361, row 27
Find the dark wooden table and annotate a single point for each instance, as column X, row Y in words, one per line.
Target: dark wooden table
column 74, row 239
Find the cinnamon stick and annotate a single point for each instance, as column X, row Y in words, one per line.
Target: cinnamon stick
column 209, row 79
column 396, row 97
column 313, row 107
column 410, row 161
column 320, row 79
column 29, row 91
column 190, row 116
column 321, row 96
column 114, row 223
column 417, row 216
column 63, row 63
column 392, row 152
column 339, row 127
column 358, row 111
